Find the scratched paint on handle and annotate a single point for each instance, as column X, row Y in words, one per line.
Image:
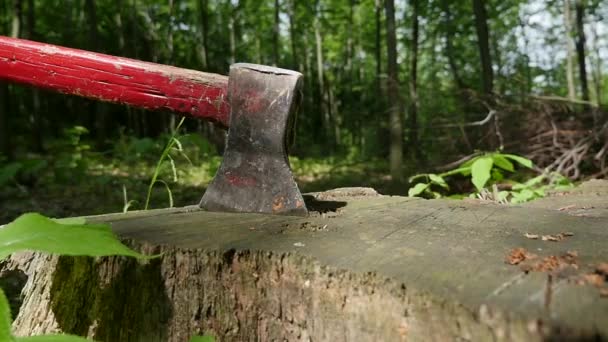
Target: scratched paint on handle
column 115, row 79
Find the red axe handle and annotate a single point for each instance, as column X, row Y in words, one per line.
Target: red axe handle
column 115, row 79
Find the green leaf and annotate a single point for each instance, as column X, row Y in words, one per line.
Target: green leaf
column 8, row 172
column 5, row 318
column 465, row 171
column 417, row 189
column 522, row 196
column 420, row 175
column 52, row 338
column 502, row 162
column 438, row 180
column 520, row 160
column 502, row 195
column 33, row 231
column 480, row 171
column 205, row 338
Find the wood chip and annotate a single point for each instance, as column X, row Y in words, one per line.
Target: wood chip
column 554, row 238
column 594, row 279
column 557, row 237
column 531, row 236
column 567, row 207
column 517, row 255
column 602, row 269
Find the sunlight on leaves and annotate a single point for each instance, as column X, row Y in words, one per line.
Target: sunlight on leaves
column 33, row 231
column 417, row 189
column 480, row 172
column 5, row 318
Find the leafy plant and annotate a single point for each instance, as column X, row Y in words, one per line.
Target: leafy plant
column 70, row 160
column 489, row 169
column 173, row 145
column 35, row 232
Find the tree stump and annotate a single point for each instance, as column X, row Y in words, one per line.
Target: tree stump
column 362, row 267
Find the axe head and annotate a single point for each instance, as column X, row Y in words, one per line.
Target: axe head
column 255, row 175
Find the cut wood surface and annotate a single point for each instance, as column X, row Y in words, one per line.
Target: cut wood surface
column 362, row 268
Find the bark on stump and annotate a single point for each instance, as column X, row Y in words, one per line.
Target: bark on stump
column 364, row 268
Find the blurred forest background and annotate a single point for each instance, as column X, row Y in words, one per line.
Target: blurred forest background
column 392, row 89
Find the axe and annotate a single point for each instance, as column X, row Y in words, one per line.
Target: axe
column 257, row 103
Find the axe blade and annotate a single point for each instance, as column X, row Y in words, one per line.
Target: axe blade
column 255, row 175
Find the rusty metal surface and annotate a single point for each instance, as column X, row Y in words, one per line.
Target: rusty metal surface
column 255, row 175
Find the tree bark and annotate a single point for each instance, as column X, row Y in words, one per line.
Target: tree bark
column 5, row 147
column 291, row 12
column 413, row 112
column 232, row 28
column 204, row 20
column 395, row 124
column 597, row 69
column 448, row 32
column 378, row 51
column 361, row 273
column 570, row 51
column 17, row 21
column 323, row 95
column 275, row 34
column 35, row 122
column 483, row 42
column 98, row 110
column 580, row 48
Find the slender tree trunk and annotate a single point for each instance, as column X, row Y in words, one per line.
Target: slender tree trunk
column 413, row 112
column 291, row 7
column 98, row 110
column 324, row 105
column 35, row 129
column 119, row 26
column 378, row 4
column 204, row 19
column 570, row 51
column 580, row 48
column 449, row 46
column 597, row 69
column 483, row 42
column 275, row 34
column 396, row 128
column 171, row 59
column 17, row 18
column 232, row 24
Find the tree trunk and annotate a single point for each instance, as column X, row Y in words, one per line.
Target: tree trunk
column 232, row 28
column 323, row 96
column 35, row 123
column 378, row 51
column 413, row 112
column 275, row 34
column 395, row 125
column 580, row 48
column 98, row 110
column 448, row 31
column 570, row 51
column 17, row 18
column 291, row 8
column 379, row 268
column 483, row 42
column 204, row 19
column 5, row 147
column 597, row 69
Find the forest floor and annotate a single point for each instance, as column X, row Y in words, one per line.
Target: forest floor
column 108, row 185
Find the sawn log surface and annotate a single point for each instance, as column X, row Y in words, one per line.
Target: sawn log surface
column 369, row 268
